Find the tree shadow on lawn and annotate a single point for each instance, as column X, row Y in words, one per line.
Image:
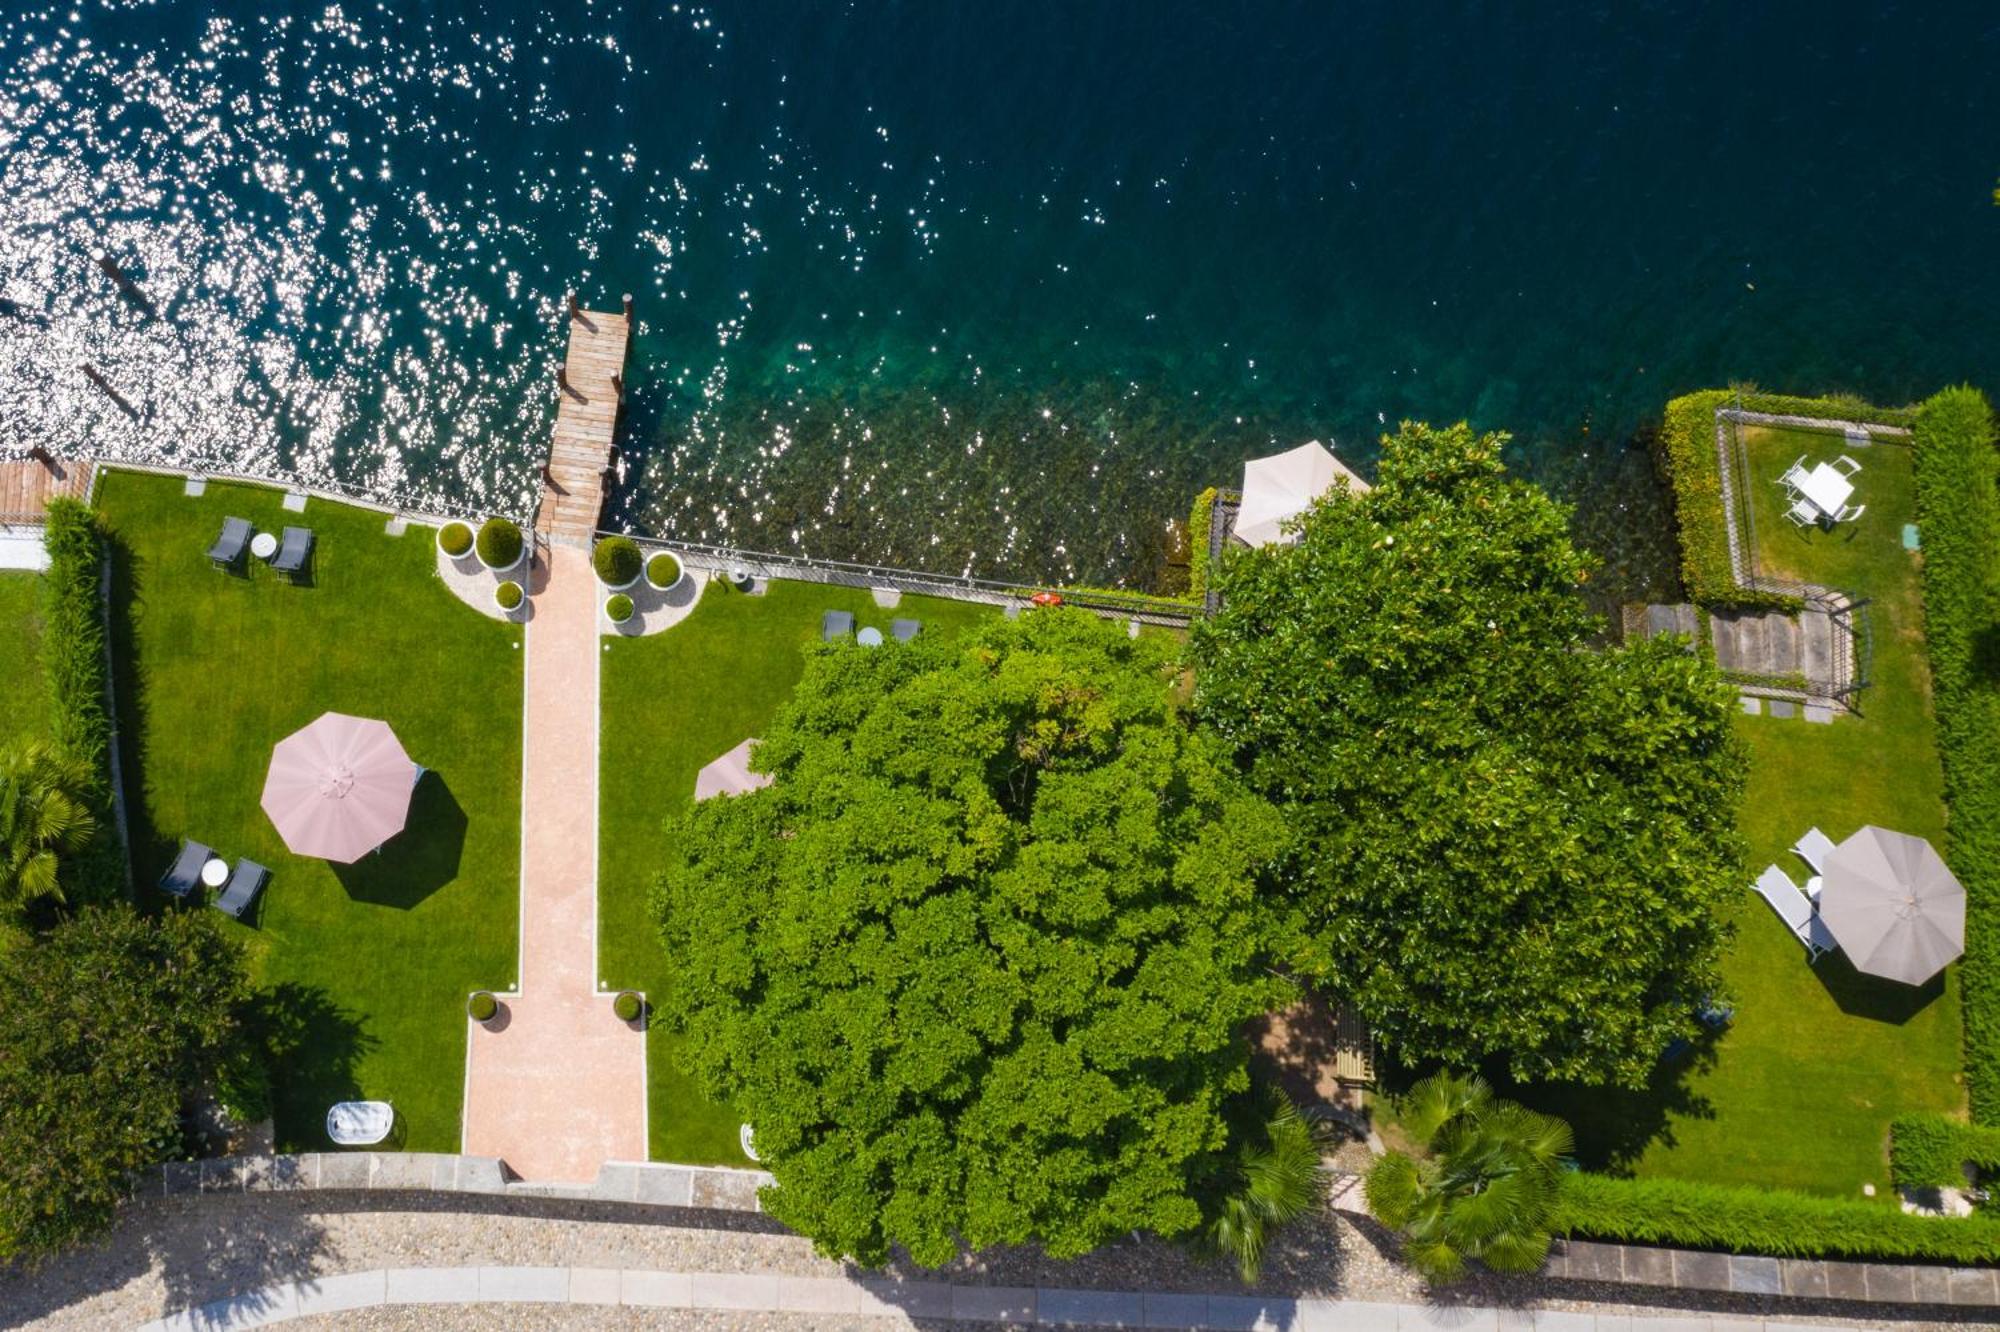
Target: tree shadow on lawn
column 1614, row 1126
column 1872, row 997
column 417, row 861
column 312, row 1045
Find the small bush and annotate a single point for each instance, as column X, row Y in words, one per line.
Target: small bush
column 617, row 560
column 482, row 1007
column 1199, row 519
column 626, row 1006
column 663, row 570
column 508, row 595
column 454, row 539
column 1931, row 1151
column 618, row 609
column 499, row 543
column 1766, row 1221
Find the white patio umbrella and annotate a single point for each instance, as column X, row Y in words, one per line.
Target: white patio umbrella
column 729, row 775
column 1893, row 905
column 1283, row 486
column 339, row 787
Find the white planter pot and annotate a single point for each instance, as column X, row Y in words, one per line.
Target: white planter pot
column 502, row 568
column 462, row 554
column 515, row 609
column 666, row 587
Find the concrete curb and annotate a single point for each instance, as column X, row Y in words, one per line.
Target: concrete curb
column 717, row 1188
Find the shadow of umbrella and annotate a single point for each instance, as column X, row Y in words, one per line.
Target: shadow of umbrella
column 417, row 861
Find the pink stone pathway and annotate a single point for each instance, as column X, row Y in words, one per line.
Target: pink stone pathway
column 556, row 1085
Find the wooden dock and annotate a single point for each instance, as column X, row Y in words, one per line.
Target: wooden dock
column 28, row 484
column 586, row 417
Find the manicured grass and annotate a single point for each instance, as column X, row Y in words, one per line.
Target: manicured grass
column 672, row 703
column 1799, row 1091
column 24, row 714
column 370, row 963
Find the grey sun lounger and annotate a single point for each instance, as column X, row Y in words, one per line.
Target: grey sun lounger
column 235, row 539
column 293, row 550
column 184, row 875
column 905, row 630
column 1814, row 848
column 835, row 624
column 245, row 882
column 1776, row 887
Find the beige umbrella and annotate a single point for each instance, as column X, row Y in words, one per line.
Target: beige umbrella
column 729, row 775
column 339, row 788
column 1283, row 486
column 1893, row 905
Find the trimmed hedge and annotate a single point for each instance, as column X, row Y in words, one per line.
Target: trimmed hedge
column 500, row 543
column 617, row 560
column 627, row 1006
column 1958, row 512
column 663, row 570
column 79, row 685
column 1929, row 1151
column 482, row 1006
column 455, row 539
column 1763, row 1221
column 1199, row 519
column 1687, row 441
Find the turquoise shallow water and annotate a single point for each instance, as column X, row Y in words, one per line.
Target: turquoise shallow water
column 987, row 288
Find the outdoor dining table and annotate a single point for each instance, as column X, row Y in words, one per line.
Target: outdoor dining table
column 1826, row 489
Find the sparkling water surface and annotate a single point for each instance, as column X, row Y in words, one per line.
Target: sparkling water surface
column 984, row 288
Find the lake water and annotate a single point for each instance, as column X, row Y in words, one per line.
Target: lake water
column 980, row 287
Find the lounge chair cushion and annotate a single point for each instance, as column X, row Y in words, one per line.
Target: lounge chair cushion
column 835, row 624
column 185, row 873
column 230, row 545
column 246, row 880
column 905, row 630
column 292, row 551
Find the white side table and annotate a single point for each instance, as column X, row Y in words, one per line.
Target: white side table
column 263, row 545
column 216, row 872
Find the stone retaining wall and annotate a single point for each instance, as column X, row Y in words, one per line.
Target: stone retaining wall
column 1744, row 1274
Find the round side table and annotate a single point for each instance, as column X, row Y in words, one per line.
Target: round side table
column 263, row 545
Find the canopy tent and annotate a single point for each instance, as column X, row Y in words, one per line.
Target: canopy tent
column 1283, row 486
column 339, row 788
column 1893, row 905
column 729, row 775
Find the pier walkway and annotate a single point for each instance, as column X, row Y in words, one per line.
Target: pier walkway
column 556, row 1084
column 28, row 484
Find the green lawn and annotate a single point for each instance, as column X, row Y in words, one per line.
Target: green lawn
column 25, row 715
column 672, row 703
column 370, row 964
column 1800, row 1090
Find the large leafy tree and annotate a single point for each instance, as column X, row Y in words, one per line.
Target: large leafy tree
column 45, row 818
column 976, row 965
column 107, row 1021
column 1513, row 841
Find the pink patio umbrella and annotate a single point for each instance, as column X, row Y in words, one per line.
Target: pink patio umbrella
column 339, row 788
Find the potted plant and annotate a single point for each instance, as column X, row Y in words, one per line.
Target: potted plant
column 500, row 545
column 455, row 540
column 508, row 596
column 628, row 1006
column 482, row 1006
column 618, row 609
column 663, row 571
column 618, row 562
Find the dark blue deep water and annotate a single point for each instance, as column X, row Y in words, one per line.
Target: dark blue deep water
column 988, row 287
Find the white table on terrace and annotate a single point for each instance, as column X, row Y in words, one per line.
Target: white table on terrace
column 263, row 545
column 1826, row 488
column 216, row 872
column 869, row 637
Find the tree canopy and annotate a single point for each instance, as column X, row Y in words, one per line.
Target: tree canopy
column 1510, row 841
column 106, row 1021
column 976, row 964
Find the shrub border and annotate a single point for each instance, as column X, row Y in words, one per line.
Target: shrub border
column 76, row 664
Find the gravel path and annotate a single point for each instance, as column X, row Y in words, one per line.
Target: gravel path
column 174, row 1253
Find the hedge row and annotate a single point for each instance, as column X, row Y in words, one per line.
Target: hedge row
column 1928, row 1151
column 1199, row 519
column 1958, row 512
column 1764, row 1221
column 73, row 660
column 1687, row 440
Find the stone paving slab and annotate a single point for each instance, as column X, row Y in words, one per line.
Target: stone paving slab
column 336, row 1294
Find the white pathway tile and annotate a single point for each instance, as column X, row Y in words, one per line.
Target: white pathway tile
column 594, row 1285
column 432, row 1285
column 336, row 1294
column 524, row 1285
column 659, row 1290
column 732, row 1290
column 993, row 1304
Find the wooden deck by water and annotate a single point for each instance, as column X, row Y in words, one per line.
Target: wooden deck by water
column 586, row 417
column 27, row 485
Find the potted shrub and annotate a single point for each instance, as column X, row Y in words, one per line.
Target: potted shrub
column 500, row 546
column 628, row 1006
column 619, row 609
column 618, row 561
column 482, row 1006
column 455, row 540
column 663, row 571
column 508, row 596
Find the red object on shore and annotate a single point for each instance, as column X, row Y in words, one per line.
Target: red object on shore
column 1046, row 599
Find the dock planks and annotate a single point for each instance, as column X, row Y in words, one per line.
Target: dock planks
column 28, row 484
column 586, row 419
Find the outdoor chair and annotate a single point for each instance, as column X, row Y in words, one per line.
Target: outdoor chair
column 905, row 630
column 1776, row 887
column 1804, row 513
column 184, row 875
column 1814, row 848
column 1847, row 465
column 245, row 882
column 835, row 624
column 293, row 551
column 1794, row 474
column 1850, row 513
column 235, row 539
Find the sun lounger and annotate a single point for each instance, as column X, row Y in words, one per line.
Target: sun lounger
column 835, row 624
column 245, row 882
column 184, row 875
column 293, row 551
column 235, row 539
column 1776, row 887
column 1814, row 848
column 905, row 630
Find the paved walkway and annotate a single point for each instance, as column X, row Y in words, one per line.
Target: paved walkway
column 556, row 1084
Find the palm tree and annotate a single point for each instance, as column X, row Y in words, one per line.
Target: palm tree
column 43, row 818
column 1483, row 1186
column 1274, row 1180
